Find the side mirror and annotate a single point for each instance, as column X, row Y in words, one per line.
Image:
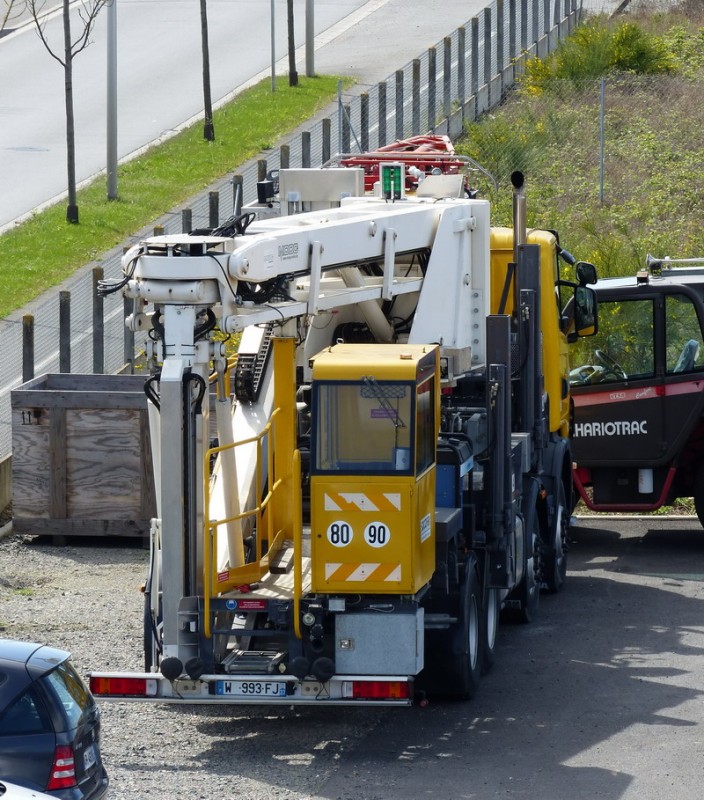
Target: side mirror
column 586, row 273
column 585, row 311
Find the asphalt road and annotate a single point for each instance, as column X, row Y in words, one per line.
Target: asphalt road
column 159, row 81
column 600, row 698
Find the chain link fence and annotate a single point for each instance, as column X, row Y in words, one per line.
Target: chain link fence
column 612, row 163
column 456, row 81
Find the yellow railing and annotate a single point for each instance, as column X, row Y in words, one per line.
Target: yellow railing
column 297, row 543
column 215, row 582
column 276, row 517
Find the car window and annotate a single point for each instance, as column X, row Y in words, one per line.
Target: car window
column 683, row 343
column 66, row 684
column 624, row 347
column 25, row 715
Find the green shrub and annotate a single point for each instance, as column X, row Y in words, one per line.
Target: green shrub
column 597, row 48
column 654, row 143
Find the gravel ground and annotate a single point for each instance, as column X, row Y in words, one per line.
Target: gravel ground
column 85, row 598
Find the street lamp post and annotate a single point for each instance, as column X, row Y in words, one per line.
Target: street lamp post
column 273, row 47
column 310, row 39
column 112, row 101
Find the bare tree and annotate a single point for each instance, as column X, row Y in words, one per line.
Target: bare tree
column 87, row 12
column 10, row 10
column 292, row 73
column 208, row 128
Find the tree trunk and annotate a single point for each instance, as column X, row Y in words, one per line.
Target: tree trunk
column 292, row 74
column 208, row 128
column 72, row 207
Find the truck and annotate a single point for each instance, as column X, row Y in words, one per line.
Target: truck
column 637, row 417
column 347, row 504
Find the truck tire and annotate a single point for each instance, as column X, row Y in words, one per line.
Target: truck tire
column 453, row 657
column 490, row 619
column 466, row 662
column 525, row 598
column 554, row 553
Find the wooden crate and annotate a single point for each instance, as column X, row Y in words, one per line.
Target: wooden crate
column 81, row 457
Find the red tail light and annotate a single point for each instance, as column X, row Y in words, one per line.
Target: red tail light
column 63, row 772
column 381, row 690
column 125, row 687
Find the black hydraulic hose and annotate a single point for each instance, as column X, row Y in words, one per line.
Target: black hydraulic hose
column 151, row 393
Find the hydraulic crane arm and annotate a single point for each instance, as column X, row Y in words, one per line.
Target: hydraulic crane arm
column 310, row 263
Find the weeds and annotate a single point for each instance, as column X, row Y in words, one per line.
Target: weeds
column 654, row 142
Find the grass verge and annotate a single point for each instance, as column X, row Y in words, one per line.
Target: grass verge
column 45, row 250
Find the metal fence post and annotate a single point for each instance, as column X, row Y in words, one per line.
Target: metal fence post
column 546, row 16
column 305, row 149
column 487, row 50
column 98, row 325
column 432, row 83
column 364, row 121
column 261, row 169
column 213, row 209
column 601, row 140
column 284, row 156
column 346, row 134
column 447, row 77
column 474, row 55
column 340, row 118
column 237, row 192
column 399, row 104
column 327, row 139
column 382, row 113
column 186, row 220
column 415, row 95
column 461, row 56
column 65, row 331
column 524, row 25
column 27, row 347
column 534, row 15
column 500, row 25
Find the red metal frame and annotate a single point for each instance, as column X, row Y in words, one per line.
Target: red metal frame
column 427, row 153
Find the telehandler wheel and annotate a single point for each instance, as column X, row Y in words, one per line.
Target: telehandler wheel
column 555, row 549
column 490, row 619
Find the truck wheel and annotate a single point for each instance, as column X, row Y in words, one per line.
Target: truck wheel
column 466, row 663
column 555, row 550
column 453, row 657
column 525, row 598
column 490, row 617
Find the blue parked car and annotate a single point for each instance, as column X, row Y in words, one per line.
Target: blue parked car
column 49, row 724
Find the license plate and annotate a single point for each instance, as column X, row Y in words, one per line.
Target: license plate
column 252, row 688
column 89, row 757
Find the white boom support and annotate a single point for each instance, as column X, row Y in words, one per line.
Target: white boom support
column 304, row 250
